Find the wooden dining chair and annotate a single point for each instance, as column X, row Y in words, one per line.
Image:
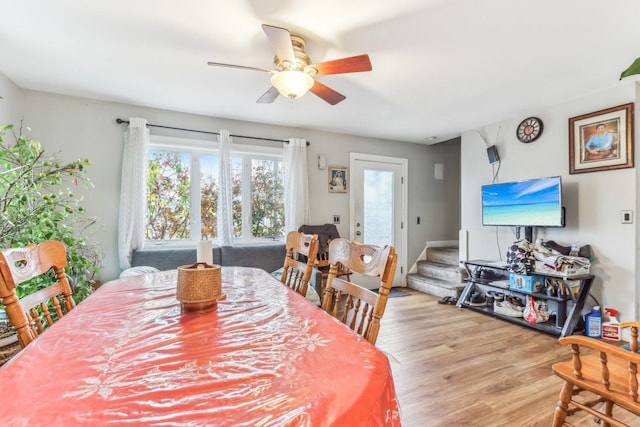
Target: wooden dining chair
column 297, row 273
column 32, row 314
column 326, row 233
column 605, row 370
column 363, row 308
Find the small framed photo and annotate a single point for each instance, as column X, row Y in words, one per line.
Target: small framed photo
column 602, row 140
column 338, row 179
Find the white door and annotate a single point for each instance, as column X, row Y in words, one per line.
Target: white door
column 378, row 206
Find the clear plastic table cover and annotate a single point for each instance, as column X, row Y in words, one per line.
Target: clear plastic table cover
column 265, row 357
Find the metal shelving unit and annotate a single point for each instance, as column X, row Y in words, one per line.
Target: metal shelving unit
column 565, row 324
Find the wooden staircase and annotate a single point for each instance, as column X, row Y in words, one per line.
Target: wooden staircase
column 439, row 274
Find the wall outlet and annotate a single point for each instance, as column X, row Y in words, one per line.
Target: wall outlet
column 336, row 219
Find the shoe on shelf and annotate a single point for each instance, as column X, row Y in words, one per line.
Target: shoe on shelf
column 497, row 295
column 506, row 309
column 515, row 301
column 543, row 312
column 490, row 300
column 477, row 300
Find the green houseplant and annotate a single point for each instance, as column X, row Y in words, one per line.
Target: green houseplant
column 37, row 204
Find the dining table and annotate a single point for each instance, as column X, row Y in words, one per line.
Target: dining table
column 129, row 355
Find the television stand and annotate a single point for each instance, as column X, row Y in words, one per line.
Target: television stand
column 528, row 234
column 567, row 308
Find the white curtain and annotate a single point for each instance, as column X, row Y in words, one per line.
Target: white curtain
column 296, row 185
column 132, row 190
column 225, row 196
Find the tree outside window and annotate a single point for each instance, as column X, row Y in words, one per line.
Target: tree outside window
column 168, row 196
column 267, row 199
column 173, row 196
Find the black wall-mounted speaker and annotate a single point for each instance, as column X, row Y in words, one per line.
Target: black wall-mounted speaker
column 492, row 153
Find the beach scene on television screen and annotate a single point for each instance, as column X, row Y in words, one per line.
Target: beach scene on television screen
column 536, row 203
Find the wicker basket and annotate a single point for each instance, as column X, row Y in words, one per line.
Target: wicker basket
column 199, row 287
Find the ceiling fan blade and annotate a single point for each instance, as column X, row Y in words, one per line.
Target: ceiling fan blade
column 326, row 93
column 280, row 40
column 269, row 96
column 353, row 64
column 242, row 67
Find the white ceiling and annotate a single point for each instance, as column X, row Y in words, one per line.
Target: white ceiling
column 440, row 67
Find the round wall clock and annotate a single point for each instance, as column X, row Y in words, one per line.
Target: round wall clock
column 529, row 129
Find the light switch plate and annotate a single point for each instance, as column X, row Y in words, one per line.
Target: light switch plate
column 336, row 219
column 322, row 162
column 626, row 217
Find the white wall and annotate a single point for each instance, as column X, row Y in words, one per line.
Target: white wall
column 11, row 102
column 593, row 201
column 81, row 128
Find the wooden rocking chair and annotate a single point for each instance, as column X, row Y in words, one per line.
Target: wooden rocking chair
column 610, row 372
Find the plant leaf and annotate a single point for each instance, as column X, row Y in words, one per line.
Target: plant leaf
column 633, row 69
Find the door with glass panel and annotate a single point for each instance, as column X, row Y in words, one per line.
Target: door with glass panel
column 378, row 205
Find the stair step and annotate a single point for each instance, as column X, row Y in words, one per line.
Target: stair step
column 438, row 270
column 443, row 255
column 433, row 286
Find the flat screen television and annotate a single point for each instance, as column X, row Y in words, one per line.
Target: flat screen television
column 530, row 203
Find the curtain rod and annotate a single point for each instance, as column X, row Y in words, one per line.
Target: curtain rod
column 120, row 121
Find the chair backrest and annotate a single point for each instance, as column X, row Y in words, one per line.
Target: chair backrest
column 363, row 309
column 296, row 274
column 603, row 369
column 29, row 314
column 326, row 233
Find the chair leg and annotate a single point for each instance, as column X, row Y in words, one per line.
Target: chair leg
column 563, row 405
column 608, row 410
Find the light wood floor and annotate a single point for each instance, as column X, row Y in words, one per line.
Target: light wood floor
column 456, row 367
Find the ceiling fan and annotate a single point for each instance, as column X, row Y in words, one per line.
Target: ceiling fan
column 294, row 73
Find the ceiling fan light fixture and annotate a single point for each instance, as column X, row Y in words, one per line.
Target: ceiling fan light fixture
column 291, row 83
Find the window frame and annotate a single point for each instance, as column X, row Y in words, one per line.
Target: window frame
column 196, row 148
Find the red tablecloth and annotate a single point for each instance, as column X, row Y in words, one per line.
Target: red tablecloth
column 265, row 357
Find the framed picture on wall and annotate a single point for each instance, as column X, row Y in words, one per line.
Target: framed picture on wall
column 602, row 140
column 338, row 179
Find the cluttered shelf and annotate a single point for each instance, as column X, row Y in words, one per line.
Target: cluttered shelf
column 500, row 265
column 538, row 287
column 504, row 284
column 547, row 327
column 553, row 304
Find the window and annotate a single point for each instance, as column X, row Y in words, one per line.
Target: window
column 182, row 191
